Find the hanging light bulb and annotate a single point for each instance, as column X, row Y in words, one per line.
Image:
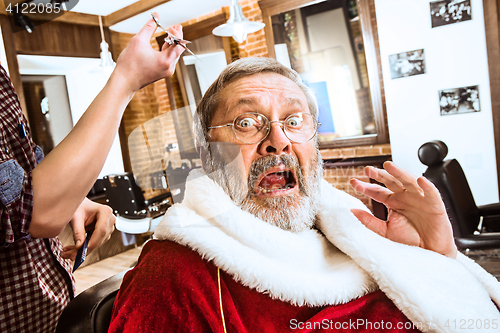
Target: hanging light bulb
column 106, row 58
column 237, row 26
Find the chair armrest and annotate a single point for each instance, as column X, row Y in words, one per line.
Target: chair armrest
column 157, row 198
column 479, row 242
column 133, row 226
column 491, row 209
column 83, row 314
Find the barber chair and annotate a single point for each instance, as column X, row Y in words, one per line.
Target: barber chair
column 134, row 214
column 473, row 226
column 97, row 191
column 177, row 179
column 90, row 311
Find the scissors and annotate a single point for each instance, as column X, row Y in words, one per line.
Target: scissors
column 171, row 39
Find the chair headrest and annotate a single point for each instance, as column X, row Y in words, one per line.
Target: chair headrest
column 432, row 153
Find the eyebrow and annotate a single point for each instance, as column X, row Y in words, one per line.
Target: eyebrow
column 294, row 101
column 246, row 101
column 252, row 101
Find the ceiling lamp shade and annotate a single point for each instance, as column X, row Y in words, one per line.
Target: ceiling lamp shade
column 238, row 26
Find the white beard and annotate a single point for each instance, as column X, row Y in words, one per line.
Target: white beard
column 294, row 213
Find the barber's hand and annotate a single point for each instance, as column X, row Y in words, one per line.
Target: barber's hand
column 94, row 218
column 417, row 215
column 139, row 64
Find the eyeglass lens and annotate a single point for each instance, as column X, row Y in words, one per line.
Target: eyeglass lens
column 254, row 127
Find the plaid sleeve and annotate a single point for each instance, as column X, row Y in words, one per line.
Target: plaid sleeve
column 17, row 159
column 16, row 202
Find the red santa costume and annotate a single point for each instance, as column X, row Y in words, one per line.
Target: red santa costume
column 216, row 268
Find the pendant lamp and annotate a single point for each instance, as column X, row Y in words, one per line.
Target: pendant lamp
column 106, row 58
column 238, row 26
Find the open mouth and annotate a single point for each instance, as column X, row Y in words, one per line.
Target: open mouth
column 274, row 181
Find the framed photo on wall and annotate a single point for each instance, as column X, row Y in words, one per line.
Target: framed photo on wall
column 407, row 64
column 444, row 12
column 459, row 100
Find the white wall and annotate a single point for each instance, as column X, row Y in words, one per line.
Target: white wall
column 455, row 56
column 83, row 87
column 60, row 113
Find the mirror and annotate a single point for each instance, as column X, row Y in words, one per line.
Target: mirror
column 325, row 42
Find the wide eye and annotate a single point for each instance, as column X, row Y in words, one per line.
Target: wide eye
column 294, row 121
column 249, row 122
column 246, row 122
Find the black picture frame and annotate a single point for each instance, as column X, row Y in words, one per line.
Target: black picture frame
column 444, row 12
column 459, row 100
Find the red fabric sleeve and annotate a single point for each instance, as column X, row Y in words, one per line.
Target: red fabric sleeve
column 170, row 290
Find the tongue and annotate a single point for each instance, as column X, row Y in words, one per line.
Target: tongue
column 273, row 181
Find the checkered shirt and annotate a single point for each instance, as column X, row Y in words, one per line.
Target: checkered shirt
column 35, row 281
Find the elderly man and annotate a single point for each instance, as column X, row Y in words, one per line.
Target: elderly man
column 261, row 243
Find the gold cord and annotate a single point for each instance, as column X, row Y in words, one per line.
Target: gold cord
column 220, row 301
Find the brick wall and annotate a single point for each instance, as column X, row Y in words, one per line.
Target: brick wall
column 147, row 103
column 359, row 151
column 255, row 45
column 340, row 176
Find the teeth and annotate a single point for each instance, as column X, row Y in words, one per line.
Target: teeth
column 263, row 190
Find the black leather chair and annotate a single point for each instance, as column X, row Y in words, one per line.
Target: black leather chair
column 127, row 199
column 90, row 311
column 134, row 214
column 473, row 226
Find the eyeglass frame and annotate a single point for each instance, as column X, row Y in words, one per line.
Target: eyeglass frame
column 281, row 122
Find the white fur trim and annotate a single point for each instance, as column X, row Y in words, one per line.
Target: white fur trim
column 489, row 281
column 307, row 268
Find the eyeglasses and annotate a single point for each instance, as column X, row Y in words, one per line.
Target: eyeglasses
column 252, row 127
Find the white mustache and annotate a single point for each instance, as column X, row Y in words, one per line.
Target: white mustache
column 261, row 165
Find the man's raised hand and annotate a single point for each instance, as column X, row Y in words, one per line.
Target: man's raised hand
column 139, row 64
column 417, row 215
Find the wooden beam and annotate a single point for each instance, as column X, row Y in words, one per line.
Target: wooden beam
column 131, row 11
column 204, row 27
column 79, row 18
column 89, row 19
column 197, row 30
column 60, row 39
column 64, row 16
column 11, row 2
